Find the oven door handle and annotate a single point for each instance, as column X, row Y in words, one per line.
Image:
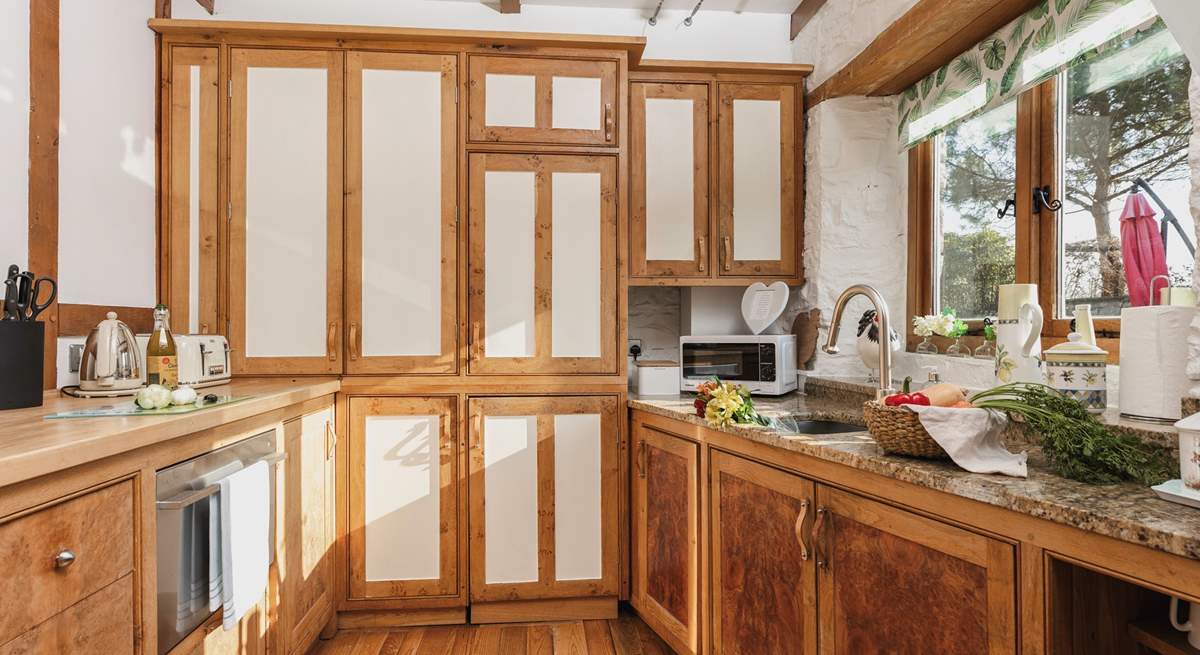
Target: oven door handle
column 192, row 497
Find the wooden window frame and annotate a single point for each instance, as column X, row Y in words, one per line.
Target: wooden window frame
column 1038, row 164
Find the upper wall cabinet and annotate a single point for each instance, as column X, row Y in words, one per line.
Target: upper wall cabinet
column 285, row 255
column 757, row 191
column 543, row 264
column 190, row 205
column 401, row 208
column 669, row 155
column 536, row 100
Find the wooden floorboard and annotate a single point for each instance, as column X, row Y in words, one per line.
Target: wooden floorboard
column 625, row 635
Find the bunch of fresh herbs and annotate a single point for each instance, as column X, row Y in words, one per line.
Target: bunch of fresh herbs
column 1077, row 445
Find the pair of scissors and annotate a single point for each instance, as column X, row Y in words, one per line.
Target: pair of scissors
column 22, row 292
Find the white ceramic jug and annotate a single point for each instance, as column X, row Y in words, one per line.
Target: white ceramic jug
column 1019, row 334
column 1192, row 626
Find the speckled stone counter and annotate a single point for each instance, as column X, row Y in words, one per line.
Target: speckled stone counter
column 1127, row 512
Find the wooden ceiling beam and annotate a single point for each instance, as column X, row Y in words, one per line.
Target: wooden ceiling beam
column 928, row 36
column 510, row 6
column 804, row 13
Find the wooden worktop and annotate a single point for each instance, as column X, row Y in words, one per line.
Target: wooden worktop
column 32, row 446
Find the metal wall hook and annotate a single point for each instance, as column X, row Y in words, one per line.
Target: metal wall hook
column 1041, row 198
column 688, row 21
column 654, row 19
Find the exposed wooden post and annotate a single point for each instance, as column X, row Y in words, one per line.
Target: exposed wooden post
column 510, row 6
column 162, row 8
column 43, row 163
column 804, row 13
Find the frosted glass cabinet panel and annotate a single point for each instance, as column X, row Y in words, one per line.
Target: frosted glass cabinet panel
column 542, row 262
column 286, row 199
column 757, row 126
column 401, row 245
column 404, row 495
column 543, row 497
column 191, row 203
column 669, row 179
column 539, row 100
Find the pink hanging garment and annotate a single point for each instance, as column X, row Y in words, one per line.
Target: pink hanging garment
column 1141, row 250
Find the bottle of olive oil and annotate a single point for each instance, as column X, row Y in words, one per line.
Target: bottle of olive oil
column 162, row 365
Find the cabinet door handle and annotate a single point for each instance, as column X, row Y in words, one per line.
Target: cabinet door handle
column 725, row 253
column 354, row 337
column 477, row 432
column 700, row 254
column 608, row 121
column 818, row 545
column 475, row 345
column 64, row 559
column 331, row 341
column 800, row 529
column 641, row 459
column 331, row 440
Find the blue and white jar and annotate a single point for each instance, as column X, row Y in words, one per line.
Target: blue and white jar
column 1078, row 370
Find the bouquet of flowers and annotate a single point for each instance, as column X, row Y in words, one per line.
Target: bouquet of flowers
column 724, row 403
column 946, row 324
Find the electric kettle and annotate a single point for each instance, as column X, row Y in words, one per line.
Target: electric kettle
column 112, row 361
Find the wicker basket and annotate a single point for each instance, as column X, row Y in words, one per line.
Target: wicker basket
column 898, row 431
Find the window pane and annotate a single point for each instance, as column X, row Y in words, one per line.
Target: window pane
column 976, row 252
column 1125, row 117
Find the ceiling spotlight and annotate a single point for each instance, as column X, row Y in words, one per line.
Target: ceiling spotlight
column 654, row 19
column 688, row 21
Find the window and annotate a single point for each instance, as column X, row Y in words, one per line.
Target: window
column 976, row 174
column 1113, row 118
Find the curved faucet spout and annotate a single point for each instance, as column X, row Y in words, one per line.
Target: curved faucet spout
column 885, row 332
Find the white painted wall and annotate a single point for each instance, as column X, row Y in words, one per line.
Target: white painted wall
column 106, row 153
column 14, row 133
column 713, row 35
column 840, row 30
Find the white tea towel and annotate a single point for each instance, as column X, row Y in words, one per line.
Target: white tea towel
column 213, row 507
column 973, row 438
column 245, row 540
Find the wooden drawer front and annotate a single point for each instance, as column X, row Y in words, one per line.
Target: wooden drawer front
column 101, row 623
column 96, row 527
column 535, row 100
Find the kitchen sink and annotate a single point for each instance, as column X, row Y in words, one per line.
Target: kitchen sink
column 816, row 426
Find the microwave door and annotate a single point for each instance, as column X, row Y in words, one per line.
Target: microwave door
column 728, row 361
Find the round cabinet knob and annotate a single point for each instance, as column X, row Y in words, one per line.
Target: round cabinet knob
column 64, row 559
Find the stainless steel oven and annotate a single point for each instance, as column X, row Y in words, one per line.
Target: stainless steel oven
column 765, row 363
column 188, row 495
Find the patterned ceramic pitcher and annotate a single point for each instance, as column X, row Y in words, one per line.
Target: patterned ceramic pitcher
column 1019, row 334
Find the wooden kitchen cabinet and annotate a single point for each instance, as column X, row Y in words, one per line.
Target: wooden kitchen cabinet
column 764, row 578
column 666, row 536
column 543, row 100
column 191, row 203
column 401, row 212
column 669, row 148
column 542, row 286
column 891, row 580
column 405, row 491
column 285, row 234
column 305, row 560
column 756, row 189
column 543, row 499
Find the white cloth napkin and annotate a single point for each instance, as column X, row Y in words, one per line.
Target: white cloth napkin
column 973, row 438
column 245, row 540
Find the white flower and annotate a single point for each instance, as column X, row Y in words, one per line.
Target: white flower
column 943, row 325
column 921, row 326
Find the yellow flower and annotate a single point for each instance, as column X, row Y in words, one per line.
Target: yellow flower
column 725, row 402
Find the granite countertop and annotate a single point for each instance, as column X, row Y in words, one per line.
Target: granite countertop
column 1127, row 512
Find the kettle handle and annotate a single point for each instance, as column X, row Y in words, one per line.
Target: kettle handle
column 1032, row 313
column 106, row 365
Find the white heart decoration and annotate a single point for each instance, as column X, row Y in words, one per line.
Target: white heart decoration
column 762, row 304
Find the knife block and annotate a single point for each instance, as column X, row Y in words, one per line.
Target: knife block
column 21, row 346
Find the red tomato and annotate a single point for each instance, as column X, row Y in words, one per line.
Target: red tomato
column 895, row 400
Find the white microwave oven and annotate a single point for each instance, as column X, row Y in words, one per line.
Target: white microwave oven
column 764, row 363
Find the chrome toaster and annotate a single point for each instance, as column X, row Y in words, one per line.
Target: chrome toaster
column 203, row 359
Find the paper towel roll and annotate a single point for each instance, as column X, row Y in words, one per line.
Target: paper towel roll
column 1153, row 358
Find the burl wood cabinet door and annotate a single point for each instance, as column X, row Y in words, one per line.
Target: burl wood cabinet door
column 757, row 132
column 763, row 573
column 892, row 581
column 669, row 179
column 306, row 558
column 666, row 536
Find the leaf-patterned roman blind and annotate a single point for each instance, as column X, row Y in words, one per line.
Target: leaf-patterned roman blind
column 1035, row 46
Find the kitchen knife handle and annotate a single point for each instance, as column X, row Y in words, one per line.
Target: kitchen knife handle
column 354, row 337
column 700, row 254
column 331, row 341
